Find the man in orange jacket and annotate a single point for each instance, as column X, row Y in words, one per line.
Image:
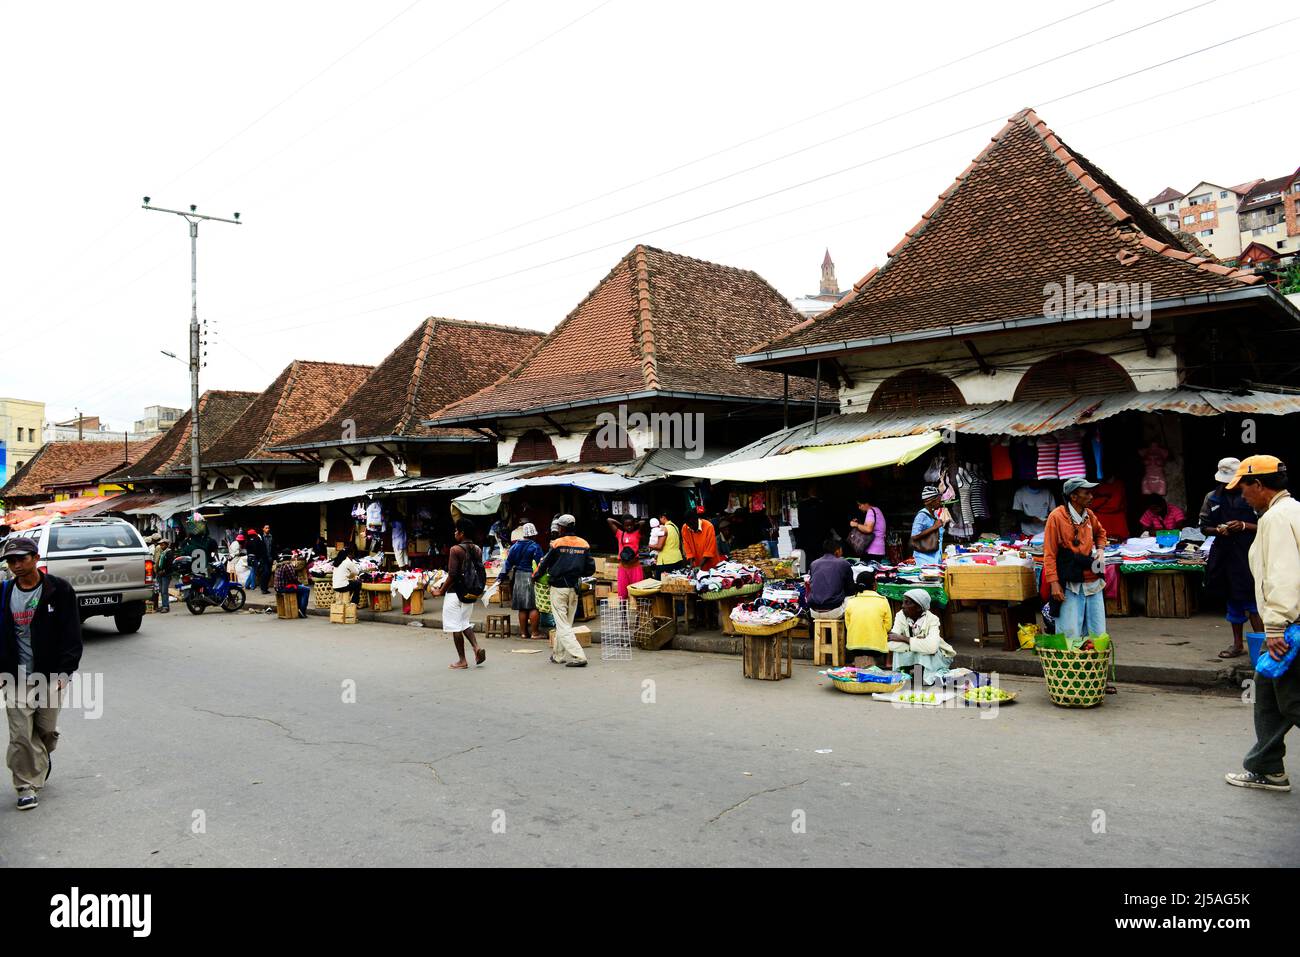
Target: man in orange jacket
column 700, row 541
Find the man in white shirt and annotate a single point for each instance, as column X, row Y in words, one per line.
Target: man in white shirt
column 1034, row 503
column 1275, row 564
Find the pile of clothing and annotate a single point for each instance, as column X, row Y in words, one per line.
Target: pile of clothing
column 752, row 613
column 725, row 576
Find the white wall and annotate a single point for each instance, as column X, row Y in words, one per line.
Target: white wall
column 951, row 358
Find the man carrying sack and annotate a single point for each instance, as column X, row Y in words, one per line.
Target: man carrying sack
column 1275, row 564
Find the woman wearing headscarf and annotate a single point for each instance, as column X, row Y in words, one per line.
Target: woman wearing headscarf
column 927, row 529
column 520, row 561
column 915, row 639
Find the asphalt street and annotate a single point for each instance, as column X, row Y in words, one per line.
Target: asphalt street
column 229, row 740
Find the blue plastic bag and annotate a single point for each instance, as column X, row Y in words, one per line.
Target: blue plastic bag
column 1269, row 667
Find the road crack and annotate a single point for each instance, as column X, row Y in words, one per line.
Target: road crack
column 740, row 804
column 288, row 731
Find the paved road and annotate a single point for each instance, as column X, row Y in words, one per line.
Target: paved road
column 242, row 718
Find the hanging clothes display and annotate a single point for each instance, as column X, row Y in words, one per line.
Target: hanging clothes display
column 1153, row 480
column 1025, row 457
column 1096, row 454
column 1048, row 452
column 979, row 495
column 1070, row 463
column 1000, row 456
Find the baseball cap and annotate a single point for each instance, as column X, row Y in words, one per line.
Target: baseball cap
column 1227, row 469
column 1257, row 465
column 566, row 521
column 1073, row 485
column 19, row 546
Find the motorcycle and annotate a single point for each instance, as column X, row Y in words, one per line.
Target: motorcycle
column 201, row 591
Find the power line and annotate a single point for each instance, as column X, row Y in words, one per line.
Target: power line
column 768, row 162
column 784, row 189
column 720, row 152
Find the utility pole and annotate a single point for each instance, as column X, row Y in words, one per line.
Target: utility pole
column 193, row 217
column 78, row 425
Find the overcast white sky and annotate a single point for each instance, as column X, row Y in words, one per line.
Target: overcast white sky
column 486, row 160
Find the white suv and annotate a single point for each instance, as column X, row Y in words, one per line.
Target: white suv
column 105, row 560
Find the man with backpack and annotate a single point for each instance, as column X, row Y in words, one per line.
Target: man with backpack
column 567, row 563
column 466, row 579
column 163, row 572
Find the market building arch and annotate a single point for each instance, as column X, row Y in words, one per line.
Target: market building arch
column 915, row 389
column 534, row 446
column 1078, row 372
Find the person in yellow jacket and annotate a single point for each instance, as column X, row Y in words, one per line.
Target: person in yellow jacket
column 867, row 619
column 1275, row 564
column 668, row 549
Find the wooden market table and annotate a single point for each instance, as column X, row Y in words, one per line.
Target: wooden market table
column 763, row 658
column 1170, row 593
column 1007, row 591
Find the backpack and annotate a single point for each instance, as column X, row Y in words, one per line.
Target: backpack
column 472, row 578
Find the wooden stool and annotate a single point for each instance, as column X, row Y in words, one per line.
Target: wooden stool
column 763, row 658
column 498, row 626
column 1007, row 612
column 286, row 605
column 828, row 641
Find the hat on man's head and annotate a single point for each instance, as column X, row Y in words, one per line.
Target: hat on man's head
column 1227, row 469
column 928, row 492
column 1073, row 485
column 566, row 521
column 528, row 530
column 1258, row 465
column 19, row 546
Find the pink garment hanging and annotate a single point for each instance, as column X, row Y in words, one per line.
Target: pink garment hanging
column 1047, row 458
column 1153, row 481
column 1070, row 462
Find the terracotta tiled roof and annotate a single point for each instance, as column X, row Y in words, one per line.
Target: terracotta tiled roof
column 1193, row 245
column 1255, row 198
column 304, row 396
column 217, row 410
column 1027, row 212
column 1241, row 189
column 658, row 322
column 442, row 361
column 1166, row 195
column 70, row 462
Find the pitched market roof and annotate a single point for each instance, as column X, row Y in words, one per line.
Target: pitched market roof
column 70, row 463
column 659, row 322
column 1027, row 212
column 304, row 396
column 218, row 408
column 440, row 362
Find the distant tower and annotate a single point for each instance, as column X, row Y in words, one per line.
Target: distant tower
column 829, row 285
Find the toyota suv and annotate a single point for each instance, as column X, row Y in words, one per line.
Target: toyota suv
column 106, row 562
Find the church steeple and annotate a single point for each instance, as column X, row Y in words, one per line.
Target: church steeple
column 830, row 287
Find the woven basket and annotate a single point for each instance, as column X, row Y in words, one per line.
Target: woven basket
column 647, row 586
column 744, row 628
column 732, row 592
column 867, row 687
column 542, row 597
column 322, row 591
column 1075, row 679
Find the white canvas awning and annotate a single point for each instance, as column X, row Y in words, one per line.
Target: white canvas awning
column 818, row 461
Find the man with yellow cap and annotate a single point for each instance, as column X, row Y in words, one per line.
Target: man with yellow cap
column 1275, row 563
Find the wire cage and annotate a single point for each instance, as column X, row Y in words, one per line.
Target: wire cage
column 618, row 621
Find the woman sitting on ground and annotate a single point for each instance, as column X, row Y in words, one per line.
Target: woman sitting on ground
column 915, row 640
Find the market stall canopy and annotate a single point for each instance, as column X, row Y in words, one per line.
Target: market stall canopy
column 1030, row 417
column 818, row 461
column 314, row 492
column 164, row 508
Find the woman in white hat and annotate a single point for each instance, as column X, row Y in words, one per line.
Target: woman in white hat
column 915, row 639
column 1227, row 516
column 520, row 561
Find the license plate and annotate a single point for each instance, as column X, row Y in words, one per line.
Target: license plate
column 95, row 601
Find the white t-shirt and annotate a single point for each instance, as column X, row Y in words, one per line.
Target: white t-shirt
column 344, row 572
column 1036, row 502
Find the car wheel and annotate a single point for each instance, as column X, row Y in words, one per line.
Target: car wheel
column 128, row 622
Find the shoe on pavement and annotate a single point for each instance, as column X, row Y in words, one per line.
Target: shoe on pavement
column 580, row 663
column 27, row 801
column 1267, row 782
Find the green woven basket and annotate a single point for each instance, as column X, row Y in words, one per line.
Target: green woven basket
column 1075, row 679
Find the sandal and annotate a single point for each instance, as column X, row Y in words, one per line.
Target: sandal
column 1232, row 652
column 458, row 666
column 480, row 655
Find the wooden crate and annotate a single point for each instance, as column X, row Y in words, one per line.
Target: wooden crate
column 286, row 605
column 1168, row 595
column 582, row 632
column 415, row 604
column 1118, row 607
column 586, row 606
column 763, row 658
column 1013, row 583
column 603, row 590
column 343, row 614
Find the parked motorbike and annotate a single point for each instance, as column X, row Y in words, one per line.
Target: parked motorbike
column 199, row 592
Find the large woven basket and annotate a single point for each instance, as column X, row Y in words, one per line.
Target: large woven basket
column 868, row 687
column 677, row 586
column 744, row 628
column 322, row 592
column 1075, row 679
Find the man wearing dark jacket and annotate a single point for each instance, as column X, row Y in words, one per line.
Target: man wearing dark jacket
column 567, row 563
column 40, row 648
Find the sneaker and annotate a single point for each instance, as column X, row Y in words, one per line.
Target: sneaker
column 49, row 766
column 27, row 801
column 1267, row 782
column 580, row 663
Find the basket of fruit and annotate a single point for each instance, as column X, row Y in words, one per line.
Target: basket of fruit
column 988, row 696
column 856, row 681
